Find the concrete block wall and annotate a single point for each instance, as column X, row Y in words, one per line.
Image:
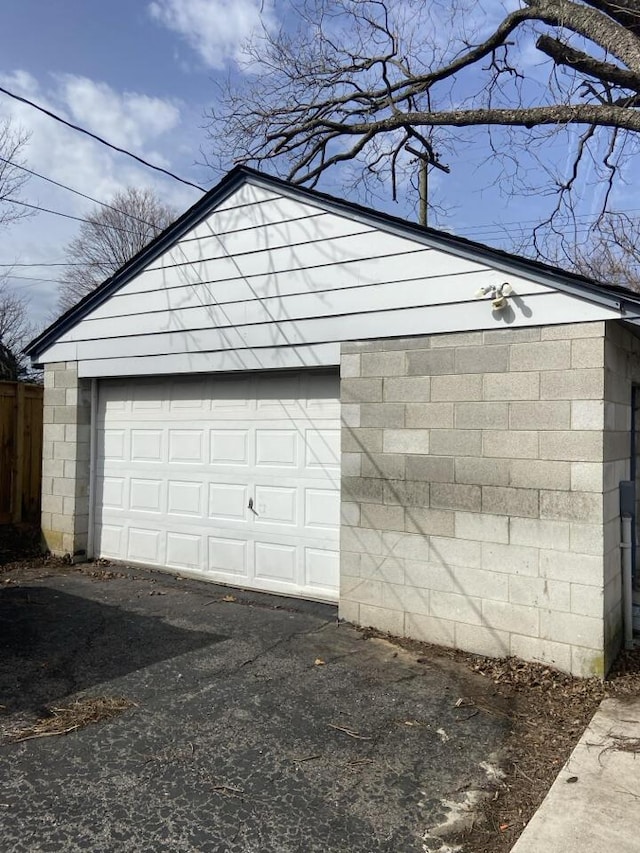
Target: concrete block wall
column 473, row 492
column 622, row 371
column 65, row 460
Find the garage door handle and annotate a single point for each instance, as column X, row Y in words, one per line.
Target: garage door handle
column 251, row 506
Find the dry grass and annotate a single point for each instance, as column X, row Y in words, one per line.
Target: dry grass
column 77, row 715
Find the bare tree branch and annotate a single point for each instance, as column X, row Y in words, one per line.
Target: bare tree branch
column 111, row 237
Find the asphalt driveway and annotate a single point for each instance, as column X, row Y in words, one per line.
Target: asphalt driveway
column 260, row 724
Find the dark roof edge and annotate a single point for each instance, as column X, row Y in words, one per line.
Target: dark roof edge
column 617, row 298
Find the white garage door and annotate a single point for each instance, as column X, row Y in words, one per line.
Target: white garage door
column 234, row 480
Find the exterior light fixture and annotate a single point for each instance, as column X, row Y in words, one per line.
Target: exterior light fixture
column 497, row 293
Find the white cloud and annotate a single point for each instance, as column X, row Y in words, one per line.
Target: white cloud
column 215, row 29
column 153, row 128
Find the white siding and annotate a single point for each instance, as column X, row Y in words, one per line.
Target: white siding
column 268, row 281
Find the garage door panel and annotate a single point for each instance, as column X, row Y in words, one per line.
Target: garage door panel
column 229, row 447
column 180, row 460
column 275, row 562
column 228, row 501
column 228, row 556
column 184, row 498
column 186, row 446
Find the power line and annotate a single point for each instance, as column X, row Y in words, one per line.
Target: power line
column 100, row 139
column 74, row 191
column 69, row 216
column 55, row 264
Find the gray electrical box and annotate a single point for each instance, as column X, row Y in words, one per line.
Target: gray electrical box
column 627, row 497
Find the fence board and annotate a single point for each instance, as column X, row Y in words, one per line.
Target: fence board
column 20, row 452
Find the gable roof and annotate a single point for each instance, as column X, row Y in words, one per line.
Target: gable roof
column 619, row 298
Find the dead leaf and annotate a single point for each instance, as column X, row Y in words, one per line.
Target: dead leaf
column 318, row 662
column 228, row 598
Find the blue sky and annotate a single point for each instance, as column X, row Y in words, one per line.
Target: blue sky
column 141, row 74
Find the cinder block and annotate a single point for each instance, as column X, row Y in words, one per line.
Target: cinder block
column 353, row 347
column 502, row 500
column 410, row 389
column 350, row 564
column 383, row 465
column 615, row 446
column 480, row 527
column 355, row 440
column 574, row 384
column 362, row 590
column 54, row 397
column 53, row 540
column 514, row 618
column 58, row 468
column 540, row 593
column 589, row 538
column 512, row 336
column 456, row 496
column 481, row 584
column 430, row 362
column 587, row 600
column 436, row 522
column 576, row 446
column 62, row 486
column 63, row 523
column 350, row 415
column 483, row 359
column 536, row 474
column 511, row 386
column 350, row 465
column 490, row 472
column 583, row 507
column 387, row 415
column 570, row 628
column 438, row 415
column 572, row 568
column 67, row 378
column 539, row 533
column 456, row 387
column 49, row 376
column 481, row 415
column 409, row 546
column 382, row 619
column 455, row 442
column 539, row 416
column 362, row 489
column 406, row 599
column 350, row 513
column 587, row 414
column 447, row 551
column 456, row 608
column 361, row 390
column 516, row 560
column 349, row 611
column 405, row 441
column 573, row 330
column 481, row 640
column 429, row 576
column 541, row 651
column 506, row 444
column 587, row 352
column 430, row 469
column 382, row 568
column 407, row 493
column 457, row 339
column 543, row 355
column 428, row 629
column 611, row 505
column 52, row 504
column 381, row 516
column 349, row 365
column 382, row 363
column 54, row 432
column 587, row 663
column 360, row 540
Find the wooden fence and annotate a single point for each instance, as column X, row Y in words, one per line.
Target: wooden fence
column 20, row 452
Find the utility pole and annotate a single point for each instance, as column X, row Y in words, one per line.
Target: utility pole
column 424, row 190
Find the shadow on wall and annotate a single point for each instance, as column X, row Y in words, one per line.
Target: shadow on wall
column 54, row 644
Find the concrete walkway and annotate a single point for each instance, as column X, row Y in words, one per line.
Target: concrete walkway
column 594, row 804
